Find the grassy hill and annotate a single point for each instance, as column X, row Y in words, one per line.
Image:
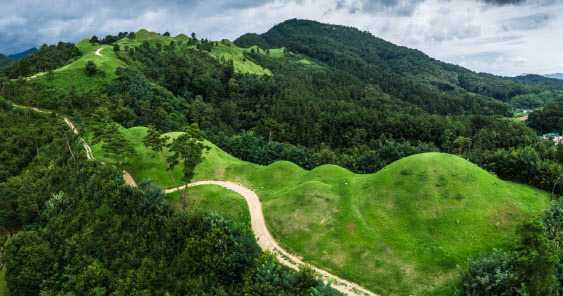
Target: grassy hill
column 399, row 231
column 73, row 75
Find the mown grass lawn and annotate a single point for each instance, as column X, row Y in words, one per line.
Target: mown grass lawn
column 399, row 231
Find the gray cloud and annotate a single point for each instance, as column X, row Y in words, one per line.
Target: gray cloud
column 504, row 2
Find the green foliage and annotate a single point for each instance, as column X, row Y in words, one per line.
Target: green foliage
column 91, row 68
column 4, row 60
column 549, row 119
column 494, row 274
column 188, row 149
column 28, row 258
column 46, row 58
column 534, row 269
column 537, row 258
column 525, row 165
column 531, row 101
column 94, row 40
column 116, row 145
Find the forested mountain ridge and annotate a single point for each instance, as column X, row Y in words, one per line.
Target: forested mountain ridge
column 405, row 73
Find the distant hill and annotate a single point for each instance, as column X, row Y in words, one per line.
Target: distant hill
column 404, row 73
column 554, row 75
column 4, row 60
column 22, row 54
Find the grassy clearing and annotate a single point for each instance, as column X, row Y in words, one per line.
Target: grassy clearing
column 399, row 231
column 214, row 199
column 74, row 75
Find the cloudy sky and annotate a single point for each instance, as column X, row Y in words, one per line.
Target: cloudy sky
column 505, row 37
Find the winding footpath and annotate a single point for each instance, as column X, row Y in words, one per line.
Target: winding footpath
column 258, row 224
column 98, row 51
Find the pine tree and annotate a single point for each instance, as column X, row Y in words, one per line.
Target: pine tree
column 117, row 146
column 156, row 142
column 188, row 149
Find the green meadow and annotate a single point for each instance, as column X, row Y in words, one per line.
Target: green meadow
column 399, row 231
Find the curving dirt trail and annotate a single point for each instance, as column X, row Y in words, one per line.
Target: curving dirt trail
column 267, row 242
column 263, row 237
column 98, row 51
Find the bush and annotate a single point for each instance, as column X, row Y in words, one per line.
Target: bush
column 91, row 68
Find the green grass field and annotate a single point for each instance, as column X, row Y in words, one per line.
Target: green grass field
column 213, row 199
column 399, row 231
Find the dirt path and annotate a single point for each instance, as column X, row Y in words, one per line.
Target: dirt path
column 98, row 51
column 43, row 73
column 267, row 242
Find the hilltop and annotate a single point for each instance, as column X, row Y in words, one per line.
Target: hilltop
column 399, row 231
column 23, row 54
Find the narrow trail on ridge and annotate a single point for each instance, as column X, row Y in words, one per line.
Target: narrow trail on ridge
column 98, row 51
column 258, row 224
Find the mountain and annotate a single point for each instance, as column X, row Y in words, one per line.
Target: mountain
column 4, row 60
column 554, row 75
column 23, row 54
column 405, row 73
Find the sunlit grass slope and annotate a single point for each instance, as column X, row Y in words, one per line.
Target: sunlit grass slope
column 399, row 231
column 214, row 199
column 74, row 74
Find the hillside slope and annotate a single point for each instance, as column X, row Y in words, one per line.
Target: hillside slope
column 400, row 231
column 402, row 72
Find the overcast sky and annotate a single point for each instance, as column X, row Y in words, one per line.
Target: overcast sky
column 504, row 37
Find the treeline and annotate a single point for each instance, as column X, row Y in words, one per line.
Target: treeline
column 87, row 233
column 48, row 57
column 532, row 101
column 549, row 119
column 534, row 268
column 367, row 160
column 110, row 39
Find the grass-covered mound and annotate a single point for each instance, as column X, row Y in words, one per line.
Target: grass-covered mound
column 400, row 231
